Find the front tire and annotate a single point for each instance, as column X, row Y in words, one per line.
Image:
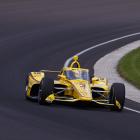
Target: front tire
column 117, row 96
column 46, row 88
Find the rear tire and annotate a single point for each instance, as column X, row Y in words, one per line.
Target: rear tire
column 117, row 92
column 46, row 88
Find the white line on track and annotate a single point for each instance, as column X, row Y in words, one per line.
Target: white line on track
column 101, row 44
column 133, row 110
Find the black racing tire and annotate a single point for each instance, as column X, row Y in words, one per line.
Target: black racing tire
column 117, row 92
column 46, row 88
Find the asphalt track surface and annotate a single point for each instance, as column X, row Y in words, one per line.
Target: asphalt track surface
column 42, row 34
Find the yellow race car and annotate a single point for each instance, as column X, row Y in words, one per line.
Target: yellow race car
column 74, row 84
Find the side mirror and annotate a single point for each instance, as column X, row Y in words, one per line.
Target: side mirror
column 62, row 76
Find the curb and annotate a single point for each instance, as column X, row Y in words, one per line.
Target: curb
column 106, row 67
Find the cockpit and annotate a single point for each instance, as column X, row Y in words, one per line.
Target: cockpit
column 75, row 74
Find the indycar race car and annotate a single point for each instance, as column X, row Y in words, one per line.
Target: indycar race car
column 74, row 84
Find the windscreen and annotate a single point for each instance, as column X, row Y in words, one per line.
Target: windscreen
column 77, row 74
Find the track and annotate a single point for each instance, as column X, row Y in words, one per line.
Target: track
column 42, row 34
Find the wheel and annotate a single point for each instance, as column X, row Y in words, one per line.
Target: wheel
column 46, row 88
column 117, row 96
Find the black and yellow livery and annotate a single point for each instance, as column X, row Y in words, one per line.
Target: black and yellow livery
column 74, row 84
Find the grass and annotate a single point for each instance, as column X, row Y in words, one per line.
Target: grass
column 129, row 67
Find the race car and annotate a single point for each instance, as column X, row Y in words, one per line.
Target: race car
column 74, row 84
